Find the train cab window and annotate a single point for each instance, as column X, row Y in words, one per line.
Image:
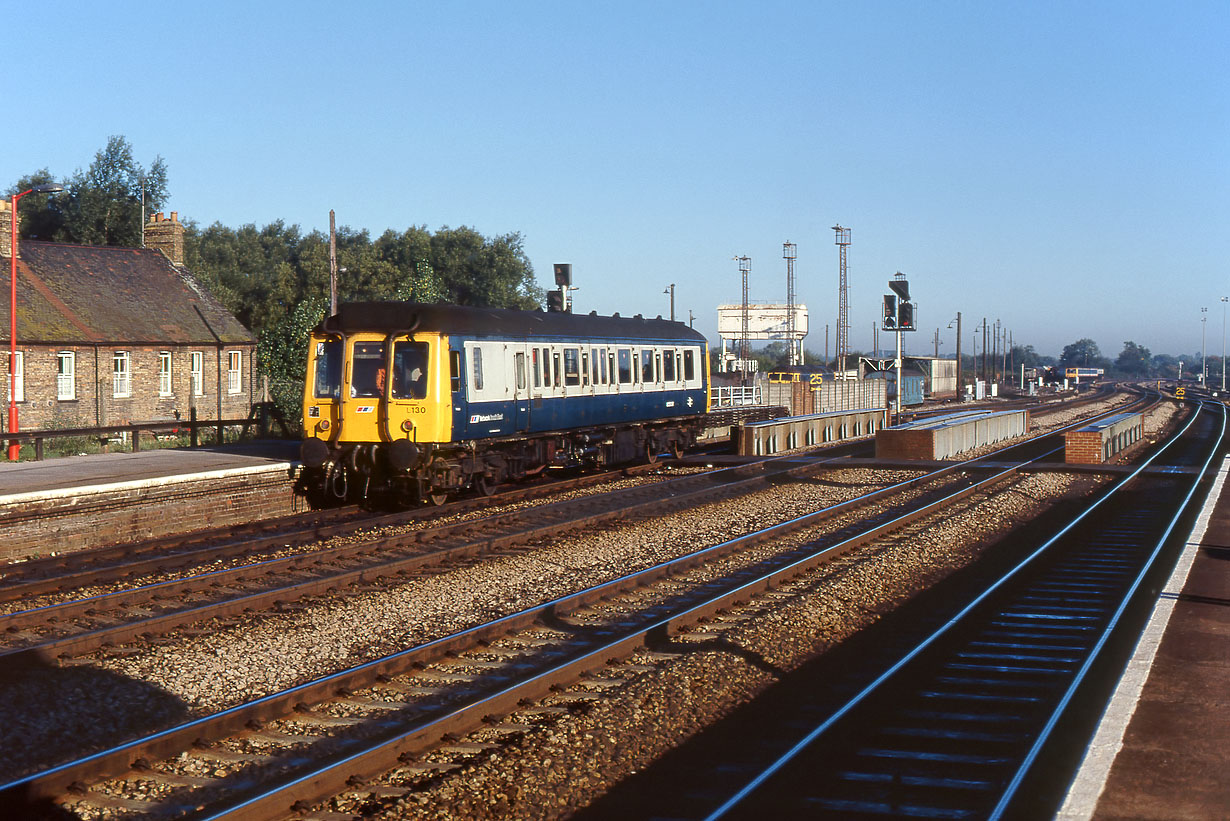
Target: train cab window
column 689, row 366
column 668, row 366
column 476, row 357
column 625, row 366
column 410, row 370
column 328, row 382
column 367, row 366
column 454, row 370
column 520, row 368
column 572, row 367
column 647, row 366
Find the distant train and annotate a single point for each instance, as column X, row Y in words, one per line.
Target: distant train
column 416, row 402
column 1083, row 374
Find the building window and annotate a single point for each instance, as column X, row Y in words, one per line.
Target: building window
column 66, row 376
column 234, row 372
column 164, row 373
column 18, row 384
column 198, row 373
column 121, row 374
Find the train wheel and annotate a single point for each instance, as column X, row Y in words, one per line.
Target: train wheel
column 439, row 498
column 677, row 449
column 483, row 485
column 651, row 453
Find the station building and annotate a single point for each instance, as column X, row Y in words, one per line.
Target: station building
column 111, row 336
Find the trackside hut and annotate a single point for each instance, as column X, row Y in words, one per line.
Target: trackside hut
column 107, row 336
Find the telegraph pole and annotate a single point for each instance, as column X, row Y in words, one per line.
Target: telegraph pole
column 332, row 263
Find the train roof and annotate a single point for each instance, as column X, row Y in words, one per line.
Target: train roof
column 390, row 317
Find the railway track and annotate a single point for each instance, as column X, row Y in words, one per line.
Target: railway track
column 986, row 715
column 61, row 625
column 572, row 628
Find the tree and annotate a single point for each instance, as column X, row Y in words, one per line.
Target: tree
column 1134, row 360
column 102, row 205
column 40, row 216
column 1082, row 353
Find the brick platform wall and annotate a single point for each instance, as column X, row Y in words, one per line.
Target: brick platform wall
column 898, row 443
column 1083, row 447
column 38, row 528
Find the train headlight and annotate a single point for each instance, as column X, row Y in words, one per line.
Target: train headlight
column 322, row 425
column 407, row 425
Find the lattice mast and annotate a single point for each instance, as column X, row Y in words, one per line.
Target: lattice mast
column 794, row 349
column 843, row 302
column 745, row 268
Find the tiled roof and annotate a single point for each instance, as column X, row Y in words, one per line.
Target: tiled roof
column 79, row 294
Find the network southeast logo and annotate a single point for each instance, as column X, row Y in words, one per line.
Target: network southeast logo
column 486, row 417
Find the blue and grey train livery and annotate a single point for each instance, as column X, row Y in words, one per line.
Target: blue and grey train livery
column 420, row 401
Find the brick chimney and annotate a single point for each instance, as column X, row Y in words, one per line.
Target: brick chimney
column 167, row 235
column 6, row 228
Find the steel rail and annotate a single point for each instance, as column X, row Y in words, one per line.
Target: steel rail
column 952, row 622
column 120, row 759
column 517, row 527
column 382, row 756
column 1028, row 762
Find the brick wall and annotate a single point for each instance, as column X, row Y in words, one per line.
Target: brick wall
column 95, row 404
column 905, row 443
column 39, row 528
column 1083, row 447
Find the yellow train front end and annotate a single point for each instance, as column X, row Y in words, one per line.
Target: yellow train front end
column 374, row 407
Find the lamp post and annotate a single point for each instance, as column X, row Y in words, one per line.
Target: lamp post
column 45, row 188
column 1204, row 357
column 671, row 291
column 1224, row 300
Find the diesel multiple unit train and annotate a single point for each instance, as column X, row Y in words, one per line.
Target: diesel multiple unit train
column 415, row 402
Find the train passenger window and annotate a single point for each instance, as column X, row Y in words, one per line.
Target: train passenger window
column 555, row 367
column 476, row 356
column 585, row 368
column 546, row 367
column 520, row 366
column 454, row 370
column 367, row 369
column 689, row 366
column 596, row 355
column 668, row 366
column 572, row 367
column 537, row 368
column 678, row 366
column 625, row 366
column 647, row 366
column 328, row 383
column 610, row 361
column 409, row 370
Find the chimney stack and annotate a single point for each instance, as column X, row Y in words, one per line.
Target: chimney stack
column 6, row 228
column 167, row 235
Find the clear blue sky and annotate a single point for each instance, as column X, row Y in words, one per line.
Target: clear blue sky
column 1062, row 167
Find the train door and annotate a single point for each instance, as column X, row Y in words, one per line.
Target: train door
column 521, row 388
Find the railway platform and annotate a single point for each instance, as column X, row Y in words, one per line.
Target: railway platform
column 74, row 503
column 1161, row 748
